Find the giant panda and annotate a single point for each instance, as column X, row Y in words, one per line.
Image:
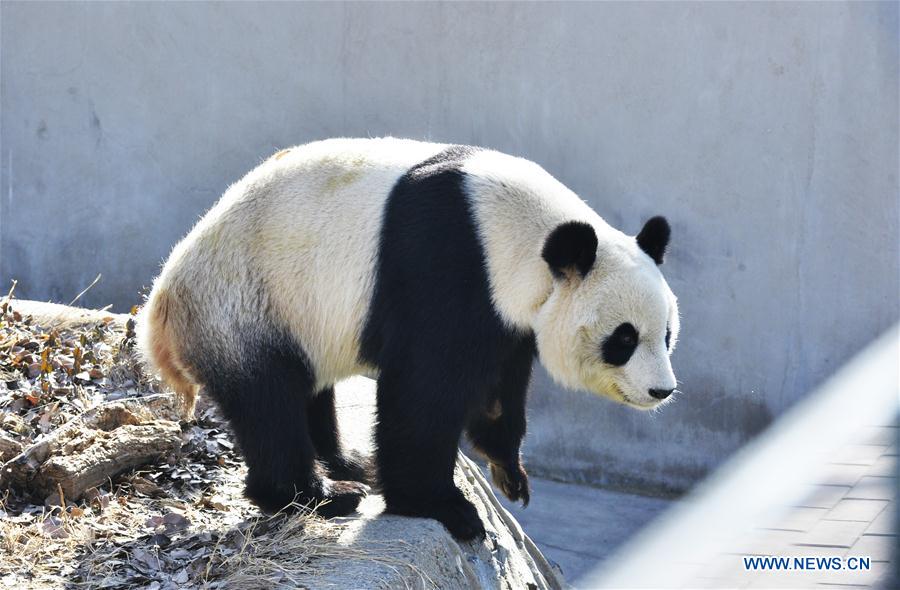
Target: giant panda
column 441, row 271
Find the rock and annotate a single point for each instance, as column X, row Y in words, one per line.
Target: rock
column 398, row 551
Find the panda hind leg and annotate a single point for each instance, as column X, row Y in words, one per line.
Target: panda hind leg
column 266, row 405
column 340, row 464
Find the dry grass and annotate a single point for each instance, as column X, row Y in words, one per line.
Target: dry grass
column 303, row 548
column 282, row 554
column 38, row 549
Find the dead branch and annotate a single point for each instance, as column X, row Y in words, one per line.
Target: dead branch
column 105, row 441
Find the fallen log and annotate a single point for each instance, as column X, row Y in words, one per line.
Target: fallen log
column 101, row 443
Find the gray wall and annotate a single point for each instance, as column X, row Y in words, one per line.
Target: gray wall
column 767, row 133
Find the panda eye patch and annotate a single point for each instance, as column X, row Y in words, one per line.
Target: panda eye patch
column 618, row 347
column 668, row 337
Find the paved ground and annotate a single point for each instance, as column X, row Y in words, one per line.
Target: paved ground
column 849, row 512
column 839, row 530
column 577, row 526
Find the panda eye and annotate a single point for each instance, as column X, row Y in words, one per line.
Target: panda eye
column 668, row 338
column 618, row 347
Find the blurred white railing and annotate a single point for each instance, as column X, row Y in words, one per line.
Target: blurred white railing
column 765, row 479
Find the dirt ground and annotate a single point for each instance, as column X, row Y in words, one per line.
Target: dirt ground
column 176, row 522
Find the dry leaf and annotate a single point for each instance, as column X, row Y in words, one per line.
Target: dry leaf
column 53, row 528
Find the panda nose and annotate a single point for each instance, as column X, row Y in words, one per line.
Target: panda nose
column 661, row 393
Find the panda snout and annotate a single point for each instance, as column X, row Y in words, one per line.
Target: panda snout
column 661, row 393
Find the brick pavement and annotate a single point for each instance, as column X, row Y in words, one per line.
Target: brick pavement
column 849, row 511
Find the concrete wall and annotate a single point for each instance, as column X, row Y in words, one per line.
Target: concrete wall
column 767, row 133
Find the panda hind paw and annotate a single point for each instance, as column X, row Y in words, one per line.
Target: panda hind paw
column 341, row 498
column 327, row 497
column 350, row 466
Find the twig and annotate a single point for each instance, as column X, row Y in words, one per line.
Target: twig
column 77, row 297
column 12, row 289
column 9, row 295
column 62, row 502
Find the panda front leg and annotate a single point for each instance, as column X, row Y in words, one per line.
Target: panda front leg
column 497, row 428
column 417, row 436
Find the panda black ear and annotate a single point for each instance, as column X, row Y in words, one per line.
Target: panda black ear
column 654, row 238
column 570, row 248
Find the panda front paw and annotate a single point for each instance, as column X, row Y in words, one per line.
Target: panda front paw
column 461, row 519
column 512, row 480
column 454, row 512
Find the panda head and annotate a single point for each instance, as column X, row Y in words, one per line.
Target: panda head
column 610, row 321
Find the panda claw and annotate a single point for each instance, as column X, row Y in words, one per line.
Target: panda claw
column 512, row 481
